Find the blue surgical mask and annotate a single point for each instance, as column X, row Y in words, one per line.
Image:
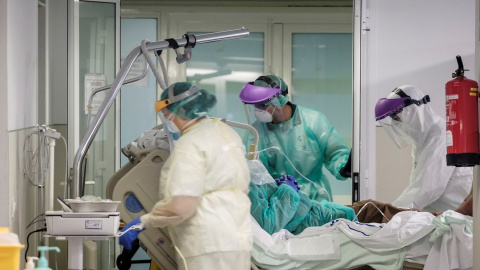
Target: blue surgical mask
column 172, row 129
column 173, row 133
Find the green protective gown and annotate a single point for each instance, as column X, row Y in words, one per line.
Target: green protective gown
column 310, row 142
column 281, row 207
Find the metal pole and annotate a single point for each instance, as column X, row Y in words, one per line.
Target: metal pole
column 115, row 89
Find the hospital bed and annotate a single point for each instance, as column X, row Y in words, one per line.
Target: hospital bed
column 136, row 185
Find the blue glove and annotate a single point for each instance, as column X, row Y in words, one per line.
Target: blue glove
column 287, row 180
column 131, row 235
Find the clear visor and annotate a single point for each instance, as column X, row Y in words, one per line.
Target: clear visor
column 260, row 112
column 396, row 129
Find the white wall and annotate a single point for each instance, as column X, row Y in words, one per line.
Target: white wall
column 20, row 17
column 412, row 42
column 4, row 209
column 22, row 63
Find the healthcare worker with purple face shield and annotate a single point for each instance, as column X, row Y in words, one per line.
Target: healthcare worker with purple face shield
column 203, row 185
column 407, row 118
column 303, row 134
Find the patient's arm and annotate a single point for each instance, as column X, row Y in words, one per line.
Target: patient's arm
column 171, row 212
column 466, row 207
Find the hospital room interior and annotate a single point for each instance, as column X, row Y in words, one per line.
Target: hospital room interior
column 92, row 89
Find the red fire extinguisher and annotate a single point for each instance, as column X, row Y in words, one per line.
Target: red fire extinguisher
column 462, row 119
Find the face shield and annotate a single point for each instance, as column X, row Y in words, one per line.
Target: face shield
column 173, row 132
column 396, row 129
column 390, row 114
column 260, row 103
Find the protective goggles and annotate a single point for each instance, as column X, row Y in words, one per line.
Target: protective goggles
column 252, row 94
column 388, row 107
column 159, row 105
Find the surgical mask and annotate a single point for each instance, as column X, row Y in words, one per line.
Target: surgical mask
column 172, row 129
column 263, row 115
column 173, row 133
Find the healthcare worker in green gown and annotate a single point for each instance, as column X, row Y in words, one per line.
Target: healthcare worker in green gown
column 303, row 134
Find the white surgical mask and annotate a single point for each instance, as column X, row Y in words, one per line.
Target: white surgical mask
column 263, row 115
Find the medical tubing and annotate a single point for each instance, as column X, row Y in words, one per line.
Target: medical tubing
column 115, row 89
column 152, row 64
column 136, row 227
column 177, row 249
column 304, row 177
column 243, row 126
column 163, row 67
column 361, row 209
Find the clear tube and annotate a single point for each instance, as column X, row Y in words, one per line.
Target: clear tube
column 304, row 177
column 361, row 209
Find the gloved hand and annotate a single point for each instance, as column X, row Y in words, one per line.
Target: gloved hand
column 287, row 180
column 346, row 171
column 131, row 235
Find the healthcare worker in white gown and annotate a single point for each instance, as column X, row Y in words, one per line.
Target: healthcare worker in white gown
column 408, row 119
column 203, row 185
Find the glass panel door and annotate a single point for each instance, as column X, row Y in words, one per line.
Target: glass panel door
column 318, row 70
column 224, row 67
column 94, row 56
column 137, row 99
column 97, row 39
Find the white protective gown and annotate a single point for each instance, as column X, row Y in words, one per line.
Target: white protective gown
column 204, row 202
column 433, row 186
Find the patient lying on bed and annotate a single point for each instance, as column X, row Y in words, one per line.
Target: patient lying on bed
column 283, row 207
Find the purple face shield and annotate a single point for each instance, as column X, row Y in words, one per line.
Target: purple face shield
column 386, row 107
column 252, row 94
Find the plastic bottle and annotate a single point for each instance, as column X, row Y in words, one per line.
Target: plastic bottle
column 43, row 262
column 30, row 264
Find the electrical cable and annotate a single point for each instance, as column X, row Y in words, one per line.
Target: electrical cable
column 40, row 220
column 42, row 214
column 28, row 236
column 33, row 159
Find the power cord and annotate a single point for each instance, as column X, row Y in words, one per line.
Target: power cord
column 28, row 236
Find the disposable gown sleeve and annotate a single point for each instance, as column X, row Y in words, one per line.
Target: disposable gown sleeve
column 428, row 181
column 273, row 207
column 323, row 212
column 335, row 151
column 171, row 212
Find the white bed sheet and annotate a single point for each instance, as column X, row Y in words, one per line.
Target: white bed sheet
column 345, row 244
